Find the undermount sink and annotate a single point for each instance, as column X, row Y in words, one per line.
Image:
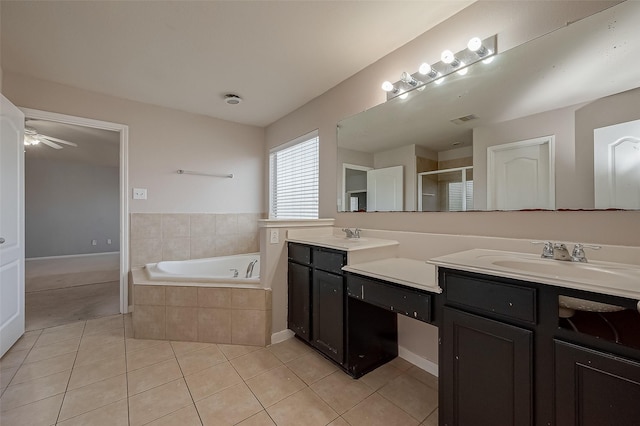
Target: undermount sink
column 562, row 268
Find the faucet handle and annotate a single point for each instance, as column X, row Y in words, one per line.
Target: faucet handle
column 577, row 255
column 547, row 250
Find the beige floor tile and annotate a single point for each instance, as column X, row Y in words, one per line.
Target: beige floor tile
column 6, row 376
column 95, row 353
column 115, row 414
column 260, row 419
column 154, row 375
column 235, row 351
column 34, row 390
column 229, row 406
column 13, row 358
column 140, row 344
column 254, row 363
column 97, row 371
column 377, row 411
column 93, row 396
column 380, row 376
column 102, row 324
column 311, row 368
column 75, row 325
column 150, row 356
column 289, row 350
column 302, row 405
column 34, row 370
column 27, row 340
column 432, row 420
column 401, row 364
column 339, row 422
column 187, row 416
column 184, row 347
column 423, row 376
column 53, row 350
column 413, row 396
column 103, row 337
column 59, row 336
column 39, row 413
column 199, row 360
column 158, row 402
column 212, row 380
column 275, row 385
column 340, row 391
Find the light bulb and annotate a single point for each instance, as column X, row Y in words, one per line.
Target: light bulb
column 404, row 95
column 463, row 71
column 490, row 58
column 474, row 44
column 439, row 80
column 425, row 69
column 449, row 58
column 387, row 86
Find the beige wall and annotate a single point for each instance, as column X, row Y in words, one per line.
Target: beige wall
column 161, row 141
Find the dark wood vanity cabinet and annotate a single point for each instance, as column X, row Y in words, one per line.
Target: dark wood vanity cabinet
column 299, row 291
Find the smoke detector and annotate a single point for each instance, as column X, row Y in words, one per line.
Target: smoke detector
column 232, row 99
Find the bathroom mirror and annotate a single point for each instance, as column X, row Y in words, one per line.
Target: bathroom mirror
column 560, row 87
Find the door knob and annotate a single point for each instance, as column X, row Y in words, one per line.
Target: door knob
column 2, row 240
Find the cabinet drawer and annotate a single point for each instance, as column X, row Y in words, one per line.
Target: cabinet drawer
column 300, row 253
column 493, row 298
column 405, row 301
column 329, row 260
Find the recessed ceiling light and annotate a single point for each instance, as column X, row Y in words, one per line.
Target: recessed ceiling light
column 232, row 99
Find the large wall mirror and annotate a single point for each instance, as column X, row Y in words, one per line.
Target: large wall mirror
column 517, row 133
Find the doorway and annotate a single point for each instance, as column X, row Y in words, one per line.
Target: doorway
column 76, row 229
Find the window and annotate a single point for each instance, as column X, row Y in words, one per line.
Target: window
column 293, row 186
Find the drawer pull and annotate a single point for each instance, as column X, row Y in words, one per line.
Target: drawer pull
column 362, row 292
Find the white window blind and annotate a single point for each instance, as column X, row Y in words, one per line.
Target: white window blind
column 294, row 179
column 456, row 194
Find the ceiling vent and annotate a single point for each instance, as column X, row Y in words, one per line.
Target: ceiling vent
column 232, row 99
column 462, row 120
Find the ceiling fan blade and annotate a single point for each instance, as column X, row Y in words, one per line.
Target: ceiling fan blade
column 51, row 144
column 51, row 138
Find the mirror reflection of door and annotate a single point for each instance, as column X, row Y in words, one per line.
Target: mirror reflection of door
column 354, row 187
column 385, row 189
column 616, row 163
column 520, row 175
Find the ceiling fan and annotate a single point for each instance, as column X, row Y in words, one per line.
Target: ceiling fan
column 33, row 137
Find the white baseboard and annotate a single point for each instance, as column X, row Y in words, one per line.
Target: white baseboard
column 281, row 336
column 71, row 256
column 418, row 361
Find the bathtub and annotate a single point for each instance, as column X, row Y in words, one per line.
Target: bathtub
column 212, row 271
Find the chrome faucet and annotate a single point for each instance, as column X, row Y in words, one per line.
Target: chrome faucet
column 577, row 255
column 235, row 272
column 355, row 233
column 250, row 268
column 558, row 251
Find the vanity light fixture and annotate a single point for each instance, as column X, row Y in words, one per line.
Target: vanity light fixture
column 477, row 50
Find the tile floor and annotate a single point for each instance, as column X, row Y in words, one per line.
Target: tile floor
column 94, row 373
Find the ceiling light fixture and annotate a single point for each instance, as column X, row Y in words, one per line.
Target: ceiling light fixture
column 232, row 99
column 451, row 63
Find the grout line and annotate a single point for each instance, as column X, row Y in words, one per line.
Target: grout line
column 185, row 380
column 70, row 374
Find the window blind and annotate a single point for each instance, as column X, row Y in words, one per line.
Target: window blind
column 294, row 180
column 456, row 194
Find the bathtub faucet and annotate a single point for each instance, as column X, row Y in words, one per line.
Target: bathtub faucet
column 235, row 272
column 250, row 268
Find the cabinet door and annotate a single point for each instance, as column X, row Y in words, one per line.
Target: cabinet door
column 299, row 315
column 594, row 388
column 328, row 314
column 486, row 372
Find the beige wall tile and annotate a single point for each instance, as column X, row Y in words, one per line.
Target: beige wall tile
column 146, row 225
column 214, row 325
column 181, row 296
column 175, row 225
column 248, row 298
column 176, row 248
column 202, row 247
column 148, row 250
column 149, row 322
column 226, row 224
column 203, row 225
column 248, row 327
column 248, row 242
column 182, row 323
column 226, row 245
column 211, row 297
column 248, row 222
column 149, row 295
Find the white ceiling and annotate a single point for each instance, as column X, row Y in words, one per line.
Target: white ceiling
column 277, row 55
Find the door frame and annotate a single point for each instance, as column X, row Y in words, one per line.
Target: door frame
column 346, row 166
column 123, row 130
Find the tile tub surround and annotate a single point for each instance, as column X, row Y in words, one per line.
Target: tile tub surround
column 181, row 236
column 225, row 315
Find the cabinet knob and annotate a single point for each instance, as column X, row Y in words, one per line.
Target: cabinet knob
column 2, row 240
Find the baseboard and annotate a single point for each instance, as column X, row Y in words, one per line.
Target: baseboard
column 66, row 256
column 418, row 361
column 281, row 336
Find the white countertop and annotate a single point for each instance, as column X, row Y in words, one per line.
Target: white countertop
column 408, row 272
column 342, row 243
column 617, row 279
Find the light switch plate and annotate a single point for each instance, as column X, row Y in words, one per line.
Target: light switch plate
column 139, row 193
column 274, row 236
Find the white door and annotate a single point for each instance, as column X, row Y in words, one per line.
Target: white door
column 385, row 189
column 616, row 166
column 11, row 224
column 521, row 175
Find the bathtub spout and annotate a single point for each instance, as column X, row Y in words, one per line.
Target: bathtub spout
column 250, row 268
